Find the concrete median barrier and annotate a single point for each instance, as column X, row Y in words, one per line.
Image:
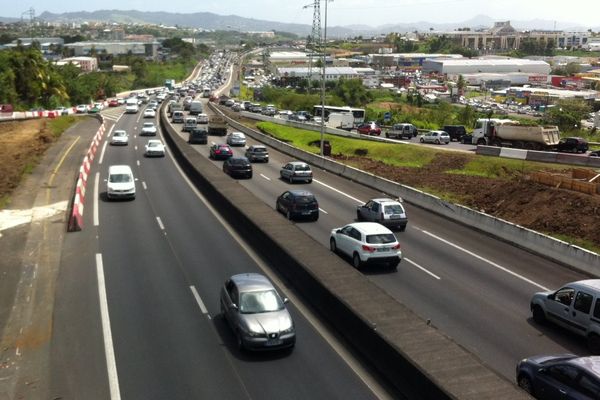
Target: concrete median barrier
column 414, row 357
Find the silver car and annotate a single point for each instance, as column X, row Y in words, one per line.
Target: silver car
column 256, row 313
column 387, row 212
column 437, row 137
column 296, row 171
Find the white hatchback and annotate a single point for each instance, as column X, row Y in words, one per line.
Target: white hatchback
column 119, row 137
column 366, row 243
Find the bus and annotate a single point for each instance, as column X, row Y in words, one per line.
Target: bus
column 358, row 113
column 206, row 92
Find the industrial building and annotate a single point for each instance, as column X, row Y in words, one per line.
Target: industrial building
column 146, row 49
column 406, row 59
column 331, row 73
column 86, row 64
column 474, row 66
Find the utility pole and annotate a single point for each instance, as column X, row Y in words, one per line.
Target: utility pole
column 313, row 42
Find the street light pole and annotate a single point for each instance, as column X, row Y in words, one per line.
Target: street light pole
column 323, row 46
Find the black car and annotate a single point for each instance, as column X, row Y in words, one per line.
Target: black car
column 296, row 204
column 238, row 167
column 573, row 144
column 198, row 135
column 456, row 132
column 563, row 376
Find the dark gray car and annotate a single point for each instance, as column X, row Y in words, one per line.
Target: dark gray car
column 256, row 313
column 387, row 212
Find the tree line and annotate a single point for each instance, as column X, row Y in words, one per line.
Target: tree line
column 28, row 81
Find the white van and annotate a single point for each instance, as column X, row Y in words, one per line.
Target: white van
column 195, row 107
column 340, row 121
column 132, row 106
column 120, row 183
column 189, row 124
column 575, row 306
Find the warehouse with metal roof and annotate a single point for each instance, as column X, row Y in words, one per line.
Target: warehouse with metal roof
column 478, row 65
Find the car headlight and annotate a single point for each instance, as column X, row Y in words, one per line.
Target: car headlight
column 252, row 333
column 288, row 330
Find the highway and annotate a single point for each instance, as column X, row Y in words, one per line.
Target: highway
column 137, row 312
column 476, row 289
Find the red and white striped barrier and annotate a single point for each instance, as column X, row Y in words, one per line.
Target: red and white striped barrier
column 76, row 217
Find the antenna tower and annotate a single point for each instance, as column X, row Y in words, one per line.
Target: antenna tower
column 313, row 42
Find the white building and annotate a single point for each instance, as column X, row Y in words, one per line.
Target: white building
column 473, row 66
column 331, row 73
column 86, row 64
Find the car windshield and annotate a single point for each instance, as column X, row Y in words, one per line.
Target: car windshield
column 148, row 125
column 381, row 238
column 119, row 178
column 259, row 302
column 393, row 209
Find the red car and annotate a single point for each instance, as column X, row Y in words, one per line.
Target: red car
column 369, row 128
column 113, row 103
column 220, row 152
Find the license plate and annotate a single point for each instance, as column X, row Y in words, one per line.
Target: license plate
column 395, row 216
column 383, row 249
column 305, row 212
column 274, row 342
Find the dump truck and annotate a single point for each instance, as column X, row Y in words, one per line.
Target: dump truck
column 217, row 125
column 509, row 133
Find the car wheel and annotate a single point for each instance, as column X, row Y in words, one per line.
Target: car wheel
column 593, row 342
column 316, row 217
column 358, row 216
column 356, row 262
column 524, row 383
column 437, row 141
column 422, row 140
column 394, row 265
column 538, row 314
column 387, row 135
column 291, row 179
column 288, row 215
column 332, row 245
column 309, row 181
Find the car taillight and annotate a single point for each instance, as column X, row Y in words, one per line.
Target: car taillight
column 368, row 248
column 217, row 151
column 396, row 247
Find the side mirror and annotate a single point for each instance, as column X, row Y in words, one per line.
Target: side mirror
column 286, row 300
column 551, row 296
column 338, row 231
column 234, row 306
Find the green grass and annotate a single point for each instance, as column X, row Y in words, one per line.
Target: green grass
column 586, row 244
column 501, row 168
column 59, row 125
column 391, row 154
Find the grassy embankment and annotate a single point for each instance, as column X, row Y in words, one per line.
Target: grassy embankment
column 402, row 155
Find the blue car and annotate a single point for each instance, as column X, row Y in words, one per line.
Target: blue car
column 563, row 376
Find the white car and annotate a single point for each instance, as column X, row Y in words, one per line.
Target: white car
column 120, row 182
column 81, row 109
column 154, row 148
column 148, row 129
column 366, row 243
column 296, row 171
column 202, row 118
column 236, row 139
column 119, row 137
column 437, row 137
column 149, row 113
column 99, row 106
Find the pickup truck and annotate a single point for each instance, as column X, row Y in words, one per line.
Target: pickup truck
column 402, row 131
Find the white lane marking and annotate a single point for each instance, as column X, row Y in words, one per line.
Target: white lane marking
column 102, row 153
column 339, row 191
column 323, row 211
column 111, row 365
column 493, row 264
column 96, row 194
column 198, row 300
column 160, row 224
column 110, row 131
column 144, row 185
column 422, row 268
column 266, row 177
column 135, row 128
column 137, row 162
column 135, row 147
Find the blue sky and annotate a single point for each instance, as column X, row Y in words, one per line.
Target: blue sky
column 344, row 12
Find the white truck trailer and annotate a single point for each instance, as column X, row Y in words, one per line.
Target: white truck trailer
column 509, row 133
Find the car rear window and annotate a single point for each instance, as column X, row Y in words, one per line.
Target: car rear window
column 381, row 238
column 393, row 209
column 239, row 161
column 259, row 149
column 305, row 199
column 302, row 167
